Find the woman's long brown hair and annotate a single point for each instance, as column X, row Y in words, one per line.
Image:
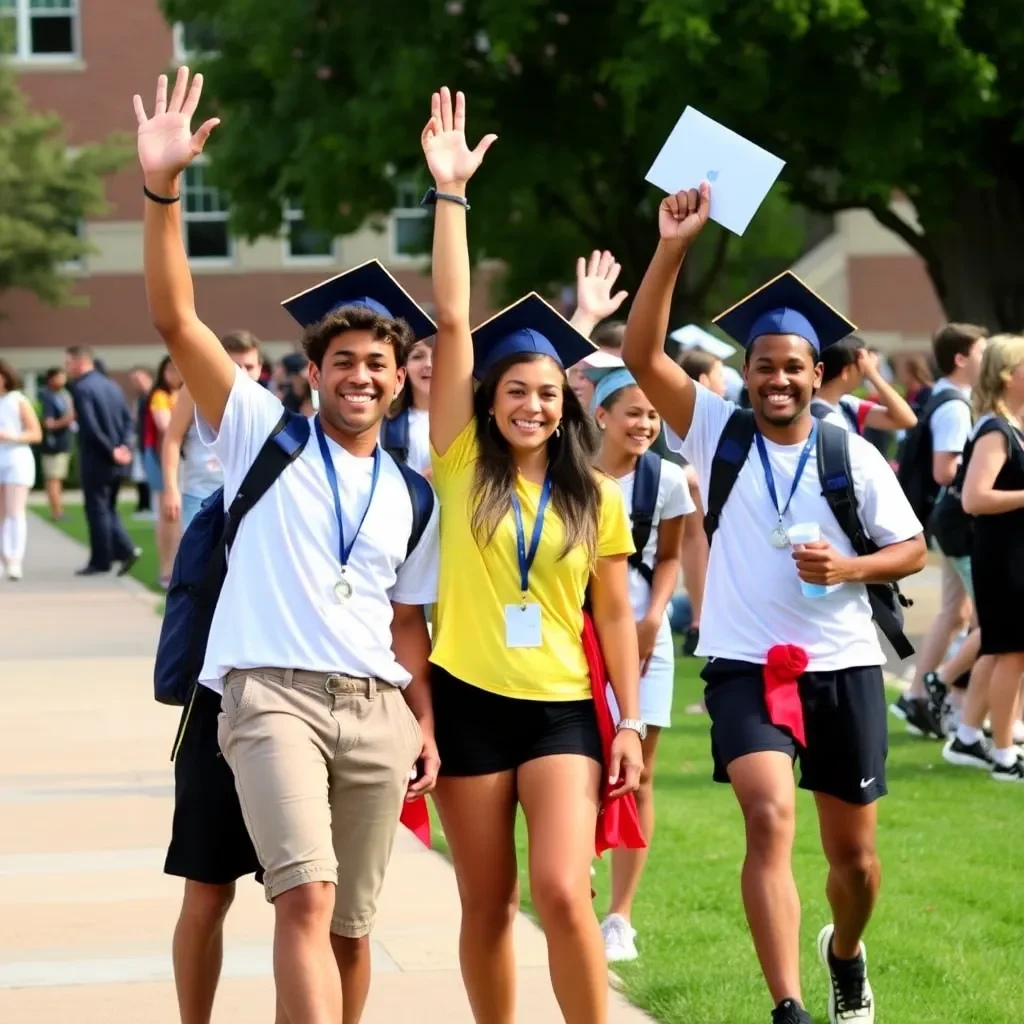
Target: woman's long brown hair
column 575, row 494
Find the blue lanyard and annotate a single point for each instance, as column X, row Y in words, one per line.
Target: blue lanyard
column 767, row 466
column 332, row 480
column 526, row 558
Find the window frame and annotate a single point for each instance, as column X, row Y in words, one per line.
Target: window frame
column 411, row 212
column 181, row 54
column 203, row 217
column 22, row 14
column 290, row 214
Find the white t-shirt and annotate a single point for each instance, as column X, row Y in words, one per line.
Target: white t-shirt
column 950, row 424
column 419, row 440
column 277, row 607
column 673, row 501
column 752, row 597
column 845, row 413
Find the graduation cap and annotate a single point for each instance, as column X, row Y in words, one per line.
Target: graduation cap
column 785, row 305
column 368, row 285
column 529, row 325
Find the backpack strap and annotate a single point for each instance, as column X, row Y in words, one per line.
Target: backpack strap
column 819, row 409
column 421, row 496
column 939, row 399
column 646, row 482
column 395, row 437
column 836, row 477
column 730, row 455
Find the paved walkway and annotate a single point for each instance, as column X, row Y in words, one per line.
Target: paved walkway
column 85, row 804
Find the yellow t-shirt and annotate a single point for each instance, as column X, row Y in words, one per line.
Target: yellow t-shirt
column 476, row 584
column 162, row 401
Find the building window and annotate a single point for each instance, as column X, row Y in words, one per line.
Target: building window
column 78, row 263
column 40, row 29
column 194, row 39
column 205, row 216
column 303, row 242
column 411, row 222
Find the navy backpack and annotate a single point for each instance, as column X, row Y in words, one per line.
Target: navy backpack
column 645, row 496
column 201, row 563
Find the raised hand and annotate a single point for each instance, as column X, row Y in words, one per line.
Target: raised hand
column 594, row 282
column 167, row 144
column 682, row 217
column 451, row 161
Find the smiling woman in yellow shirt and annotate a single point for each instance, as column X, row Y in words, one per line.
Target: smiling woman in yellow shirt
column 529, row 530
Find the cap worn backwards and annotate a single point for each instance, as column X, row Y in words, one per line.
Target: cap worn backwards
column 369, row 285
column 529, row 325
column 785, row 305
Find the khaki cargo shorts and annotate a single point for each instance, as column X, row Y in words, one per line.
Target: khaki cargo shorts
column 321, row 765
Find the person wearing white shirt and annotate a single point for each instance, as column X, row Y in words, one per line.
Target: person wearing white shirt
column 629, row 424
column 958, row 350
column 755, row 602
column 406, row 434
column 19, row 430
column 318, row 648
column 845, row 366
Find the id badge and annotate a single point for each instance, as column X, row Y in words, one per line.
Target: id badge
column 522, row 625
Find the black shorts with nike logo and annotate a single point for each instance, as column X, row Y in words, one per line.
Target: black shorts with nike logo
column 845, row 722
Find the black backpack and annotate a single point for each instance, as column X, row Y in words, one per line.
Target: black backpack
column 646, row 481
column 833, row 454
column 950, row 525
column 200, row 565
column 915, row 457
column 819, row 410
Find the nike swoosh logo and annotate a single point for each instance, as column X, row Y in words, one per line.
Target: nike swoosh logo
column 864, row 783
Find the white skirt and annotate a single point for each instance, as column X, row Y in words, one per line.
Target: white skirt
column 656, row 684
column 17, row 466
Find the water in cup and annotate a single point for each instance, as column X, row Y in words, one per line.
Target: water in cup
column 806, row 533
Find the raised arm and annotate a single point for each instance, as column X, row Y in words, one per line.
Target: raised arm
column 680, row 219
column 166, row 147
column 595, row 279
column 892, row 411
column 452, row 163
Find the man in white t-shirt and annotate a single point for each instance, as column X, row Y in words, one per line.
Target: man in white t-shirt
column 755, row 601
column 318, row 647
column 947, row 418
column 845, row 366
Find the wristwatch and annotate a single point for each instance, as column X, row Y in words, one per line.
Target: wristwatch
column 634, row 725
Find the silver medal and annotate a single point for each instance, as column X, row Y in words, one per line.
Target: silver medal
column 342, row 590
column 779, row 538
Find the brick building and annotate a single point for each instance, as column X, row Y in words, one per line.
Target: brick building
column 84, row 59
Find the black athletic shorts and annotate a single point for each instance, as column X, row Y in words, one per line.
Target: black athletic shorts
column 479, row 732
column 844, row 722
column 209, row 842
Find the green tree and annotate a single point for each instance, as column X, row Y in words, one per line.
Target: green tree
column 324, row 102
column 45, row 192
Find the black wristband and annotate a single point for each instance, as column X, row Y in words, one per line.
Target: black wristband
column 163, row 200
column 432, row 195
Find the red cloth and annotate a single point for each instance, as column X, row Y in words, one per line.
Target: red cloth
column 618, row 821
column 416, row 818
column 786, row 662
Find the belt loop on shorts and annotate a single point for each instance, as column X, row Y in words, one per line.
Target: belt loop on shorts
column 289, row 677
column 371, row 688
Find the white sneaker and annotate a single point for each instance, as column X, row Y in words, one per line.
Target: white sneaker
column 1018, row 733
column 619, row 939
column 850, row 998
column 14, row 570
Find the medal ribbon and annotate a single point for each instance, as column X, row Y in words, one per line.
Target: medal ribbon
column 769, row 479
column 526, row 557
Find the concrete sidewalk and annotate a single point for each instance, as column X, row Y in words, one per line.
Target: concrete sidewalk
column 86, row 794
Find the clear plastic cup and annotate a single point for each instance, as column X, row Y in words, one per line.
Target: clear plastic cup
column 806, row 533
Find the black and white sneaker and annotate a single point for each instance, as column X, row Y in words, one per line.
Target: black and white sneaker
column 1014, row 773
column 789, row 1011
column 850, row 999
column 973, row 755
column 938, row 694
column 915, row 711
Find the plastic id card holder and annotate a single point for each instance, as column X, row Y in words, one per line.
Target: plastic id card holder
column 522, row 625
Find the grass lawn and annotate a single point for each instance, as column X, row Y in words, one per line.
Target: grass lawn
column 943, row 942
column 146, row 570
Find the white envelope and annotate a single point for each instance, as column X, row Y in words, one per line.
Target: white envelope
column 692, row 336
column 740, row 173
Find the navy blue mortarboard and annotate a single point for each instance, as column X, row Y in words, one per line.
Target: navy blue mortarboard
column 368, row 285
column 785, row 305
column 529, row 325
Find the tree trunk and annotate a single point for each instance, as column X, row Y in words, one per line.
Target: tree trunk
column 977, row 252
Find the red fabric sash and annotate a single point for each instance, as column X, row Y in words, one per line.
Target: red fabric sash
column 416, row 818
column 618, row 821
column 786, row 662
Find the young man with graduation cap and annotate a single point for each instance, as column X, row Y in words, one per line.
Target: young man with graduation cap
column 787, row 676
column 317, row 654
column 529, row 528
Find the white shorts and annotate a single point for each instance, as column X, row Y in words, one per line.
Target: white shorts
column 656, row 684
column 18, row 467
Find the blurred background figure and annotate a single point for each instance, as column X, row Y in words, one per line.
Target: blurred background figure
column 914, row 374
column 140, row 383
column 58, row 416
column 19, row 430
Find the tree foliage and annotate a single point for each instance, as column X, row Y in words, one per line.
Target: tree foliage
column 45, row 192
column 324, row 102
